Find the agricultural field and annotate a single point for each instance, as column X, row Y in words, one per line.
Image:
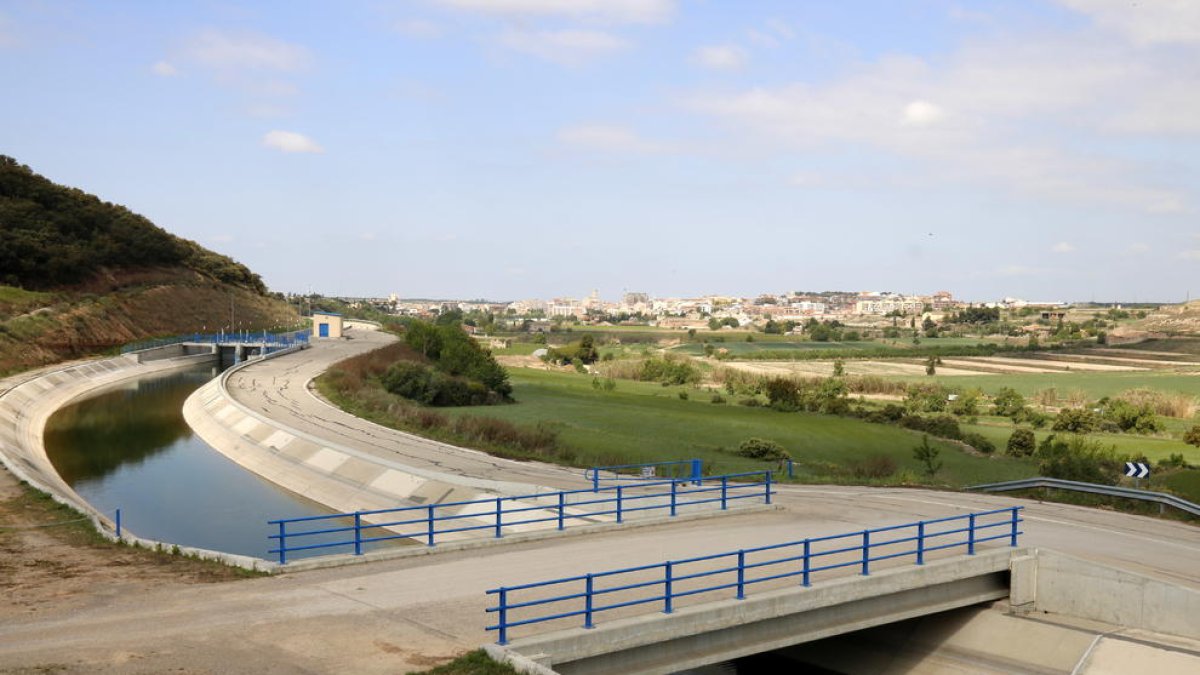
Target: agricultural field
column 643, row 422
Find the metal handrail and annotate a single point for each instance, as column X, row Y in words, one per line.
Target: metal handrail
column 427, row 522
column 1093, row 488
column 739, row 569
column 694, row 466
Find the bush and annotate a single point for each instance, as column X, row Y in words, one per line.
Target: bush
column 1022, row 443
column 1078, row 458
column 1192, row 436
column 717, row 398
column 1127, row 416
column 750, row 402
column 927, row 455
column 1009, row 403
column 1076, row 421
column 944, row 426
column 877, row 466
column 668, row 370
column 683, row 395
column 760, row 448
column 979, row 442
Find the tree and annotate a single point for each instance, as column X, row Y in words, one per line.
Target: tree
column 931, row 365
column 839, row 367
column 927, row 455
column 1021, row 443
column 1009, row 402
column 1076, row 421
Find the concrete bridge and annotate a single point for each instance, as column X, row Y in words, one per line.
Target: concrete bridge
column 1018, row 582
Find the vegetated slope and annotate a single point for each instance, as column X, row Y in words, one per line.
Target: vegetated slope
column 1181, row 319
column 79, row 276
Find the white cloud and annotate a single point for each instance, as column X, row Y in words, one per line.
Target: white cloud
column 1063, row 247
column 245, row 51
column 1148, row 22
column 1034, row 115
column 565, row 47
column 604, row 138
column 1139, row 248
column 721, row 57
column 1190, row 255
column 290, row 141
column 922, row 113
column 418, row 28
column 164, row 69
column 609, row 11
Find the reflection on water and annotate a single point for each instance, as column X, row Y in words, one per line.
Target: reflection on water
column 130, row 448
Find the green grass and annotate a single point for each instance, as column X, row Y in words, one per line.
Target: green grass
column 1096, row 385
column 471, row 663
column 642, row 422
column 737, row 348
column 19, row 297
column 998, row 429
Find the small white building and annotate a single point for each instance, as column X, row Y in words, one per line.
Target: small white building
column 326, row 325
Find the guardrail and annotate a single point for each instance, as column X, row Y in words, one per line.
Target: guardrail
column 360, row 529
column 691, row 469
column 279, row 340
column 1161, row 498
column 662, row 583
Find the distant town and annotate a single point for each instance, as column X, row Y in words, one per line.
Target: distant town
column 708, row 311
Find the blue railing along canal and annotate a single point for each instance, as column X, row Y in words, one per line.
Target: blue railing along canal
column 663, row 584
column 269, row 340
column 691, row 469
column 355, row 532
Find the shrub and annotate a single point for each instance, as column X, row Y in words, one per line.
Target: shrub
column 750, row 402
column 668, row 370
column 927, row 455
column 979, row 442
column 1078, row 458
column 944, row 426
column 683, row 395
column 876, row 466
column 760, row 448
column 1022, row 443
column 1009, row 403
column 1192, row 436
column 1076, row 421
column 717, row 398
column 1126, row 416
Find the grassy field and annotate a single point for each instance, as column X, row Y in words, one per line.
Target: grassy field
column 736, row 348
column 641, row 422
column 1096, row 385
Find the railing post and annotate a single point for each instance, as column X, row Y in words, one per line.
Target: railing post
column 595, row 479
column 791, row 469
column 499, row 516
column 674, row 488
column 921, row 542
column 282, row 544
column 667, row 590
column 357, row 533
column 971, row 534
column 866, row 549
column 562, row 503
column 118, row 523
column 1013, row 541
column 724, row 492
column 741, row 582
column 503, row 611
column 619, row 494
column 807, row 563
column 587, row 603
column 768, row 488
column 429, row 525
column 697, row 471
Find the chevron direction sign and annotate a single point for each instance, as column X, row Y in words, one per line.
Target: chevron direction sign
column 1137, row 469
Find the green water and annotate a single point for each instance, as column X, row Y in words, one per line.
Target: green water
column 129, row 447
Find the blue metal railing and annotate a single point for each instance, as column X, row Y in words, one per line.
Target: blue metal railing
column 360, row 529
column 691, row 469
column 271, row 341
column 669, row 581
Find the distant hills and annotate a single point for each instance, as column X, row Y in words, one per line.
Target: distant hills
column 79, row 275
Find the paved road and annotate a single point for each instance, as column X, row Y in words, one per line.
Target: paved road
column 395, row 615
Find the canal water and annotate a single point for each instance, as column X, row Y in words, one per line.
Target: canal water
column 129, row 447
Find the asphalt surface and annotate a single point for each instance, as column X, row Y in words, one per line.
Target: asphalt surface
column 390, row 616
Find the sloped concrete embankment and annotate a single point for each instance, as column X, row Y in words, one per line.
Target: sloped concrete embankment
column 27, row 402
column 345, row 479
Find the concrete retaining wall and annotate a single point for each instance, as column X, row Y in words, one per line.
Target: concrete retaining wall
column 1086, row 590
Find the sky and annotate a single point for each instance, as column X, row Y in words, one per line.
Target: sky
column 509, row 149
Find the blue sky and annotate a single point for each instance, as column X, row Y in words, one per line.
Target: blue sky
column 530, row 148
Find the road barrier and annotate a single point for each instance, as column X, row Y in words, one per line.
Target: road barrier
column 1161, row 498
column 664, row 583
column 433, row 522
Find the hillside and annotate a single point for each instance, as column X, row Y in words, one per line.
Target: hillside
column 1182, row 319
column 80, row 276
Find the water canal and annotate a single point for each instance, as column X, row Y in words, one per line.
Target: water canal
column 129, row 447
